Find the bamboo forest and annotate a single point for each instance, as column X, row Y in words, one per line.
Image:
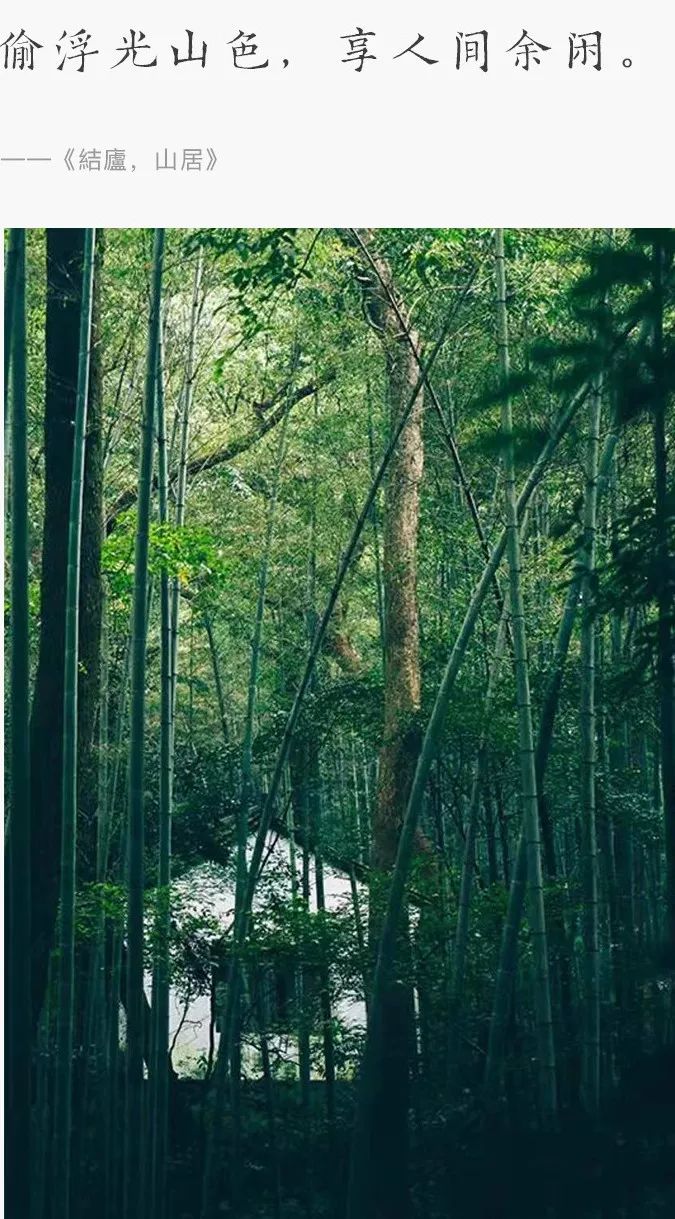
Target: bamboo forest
column 340, row 723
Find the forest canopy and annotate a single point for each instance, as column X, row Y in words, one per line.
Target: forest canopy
column 340, row 560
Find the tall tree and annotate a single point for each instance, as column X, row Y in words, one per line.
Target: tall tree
column 246, row 794
column 665, row 592
column 591, row 1039
column 161, row 976
column 182, row 480
column 388, row 1121
column 542, row 993
column 134, row 1193
column 65, row 251
column 18, row 876
column 400, row 745
column 91, row 589
column 66, row 946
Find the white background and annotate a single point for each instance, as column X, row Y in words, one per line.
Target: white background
column 319, row 144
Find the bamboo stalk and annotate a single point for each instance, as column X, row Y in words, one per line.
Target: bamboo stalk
column 134, row 1183
column 66, row 972
column 19, row 835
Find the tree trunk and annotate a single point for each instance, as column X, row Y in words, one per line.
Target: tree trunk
column 65, row 248
column 18, row 932
column 665, row 654
column 388, row 1120
column 134, row 1118
column 590, row 1082
column 542, row 995
column 161, row 976
column 182, row 481
column 91, row 596
column 13, row 267
column 66, row 952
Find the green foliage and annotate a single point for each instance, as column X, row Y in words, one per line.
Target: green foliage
column 189, row 554
column 95, row 901
column 254, row 265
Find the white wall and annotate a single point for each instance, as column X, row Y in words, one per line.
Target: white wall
column 209, row 892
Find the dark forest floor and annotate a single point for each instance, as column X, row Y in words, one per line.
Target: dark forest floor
column 461, row 1167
